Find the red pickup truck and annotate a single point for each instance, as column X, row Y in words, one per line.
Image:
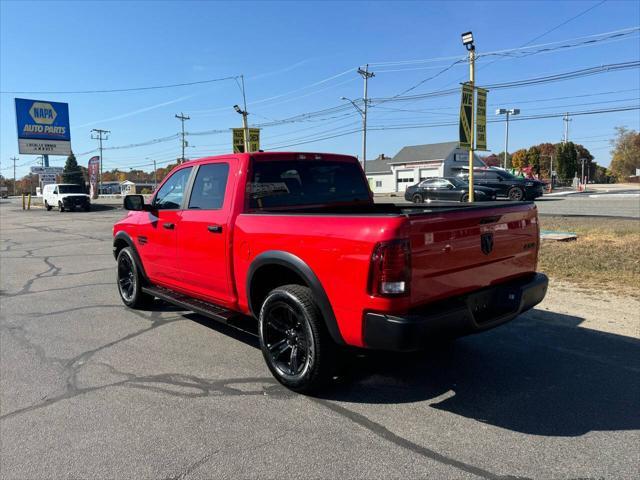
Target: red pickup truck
column 296, row 241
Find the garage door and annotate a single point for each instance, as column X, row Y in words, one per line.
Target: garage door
column 405, row 178
column 429, row 172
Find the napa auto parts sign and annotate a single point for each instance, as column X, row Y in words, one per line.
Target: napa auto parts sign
column 43, row 127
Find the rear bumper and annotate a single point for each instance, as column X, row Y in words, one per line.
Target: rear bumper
column 474, row 312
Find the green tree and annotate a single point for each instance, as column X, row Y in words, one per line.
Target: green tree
column 625, row 156
column 72, row 172
column 567, row 161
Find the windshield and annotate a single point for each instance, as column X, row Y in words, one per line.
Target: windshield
column 70, row 189
column 458, row 182
column 305, row 182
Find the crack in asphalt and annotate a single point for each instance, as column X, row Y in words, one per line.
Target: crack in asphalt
column 386, row 434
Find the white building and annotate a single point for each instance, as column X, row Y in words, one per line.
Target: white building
column 415, row 163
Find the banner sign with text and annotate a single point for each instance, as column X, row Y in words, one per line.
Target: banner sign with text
column 466, row 105
column 93, row 171
column 238, row 140
column 481, row 119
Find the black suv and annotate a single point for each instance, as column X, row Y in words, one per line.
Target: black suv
column 506, row 184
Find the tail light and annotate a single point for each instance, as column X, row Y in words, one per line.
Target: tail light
column 390, row 269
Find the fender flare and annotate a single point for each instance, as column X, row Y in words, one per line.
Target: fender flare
column 123, row 236
column 296, row 264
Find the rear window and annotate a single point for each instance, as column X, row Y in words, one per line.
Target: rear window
column 305, row 182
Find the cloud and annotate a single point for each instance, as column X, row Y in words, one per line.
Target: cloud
column 136, row 112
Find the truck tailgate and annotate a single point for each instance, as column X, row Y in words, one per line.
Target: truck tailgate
column 468, row 249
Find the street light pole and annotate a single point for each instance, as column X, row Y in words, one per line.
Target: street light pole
column 366, row 75
column 363, row 114
column 467, row 41
column 507, row 112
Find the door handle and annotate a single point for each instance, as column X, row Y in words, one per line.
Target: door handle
column 215, row 228
column 168, row 226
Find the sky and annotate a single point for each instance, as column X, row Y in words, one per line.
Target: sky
column 299, row 57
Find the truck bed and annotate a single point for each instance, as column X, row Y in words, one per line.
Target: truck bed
column 391, row 209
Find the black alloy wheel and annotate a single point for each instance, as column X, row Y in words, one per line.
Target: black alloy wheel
column 294, row 341
column 417, row 198
column 130, row 281
column 516, row 194
column 464, row 198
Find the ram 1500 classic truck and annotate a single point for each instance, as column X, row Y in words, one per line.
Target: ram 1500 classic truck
column 296, row 241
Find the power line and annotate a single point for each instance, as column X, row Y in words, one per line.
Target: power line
column 553, row 29
column 133, row 89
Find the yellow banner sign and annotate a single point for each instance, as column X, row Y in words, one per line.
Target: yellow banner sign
column 481, row 119
column 238, row 140
column 466, row 106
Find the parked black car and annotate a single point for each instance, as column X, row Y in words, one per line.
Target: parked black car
column 450, row 188
column 506, row 184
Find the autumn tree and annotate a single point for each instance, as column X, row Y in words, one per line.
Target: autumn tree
column 519, row 159
column 533, row 159
column 625, row 156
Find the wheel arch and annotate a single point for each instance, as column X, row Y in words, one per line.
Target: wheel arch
column 123, row 240
column 287, row 268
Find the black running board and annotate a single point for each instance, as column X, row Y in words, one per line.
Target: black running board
column 210, row 310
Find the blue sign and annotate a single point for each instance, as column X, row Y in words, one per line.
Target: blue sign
column 42, row 120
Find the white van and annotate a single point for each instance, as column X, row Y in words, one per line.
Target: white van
column 65, row 196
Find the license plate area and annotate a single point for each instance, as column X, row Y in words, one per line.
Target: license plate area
column 492, row 304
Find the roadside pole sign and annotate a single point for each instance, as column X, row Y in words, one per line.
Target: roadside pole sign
column 46, row 175
column 93, row 171
column 481, row 119
column 43, row 127
column 238, row 140
column 466, row 105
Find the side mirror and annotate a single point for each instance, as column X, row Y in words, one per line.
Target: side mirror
column 135, row 203
column 449, row 186
column 500, row 179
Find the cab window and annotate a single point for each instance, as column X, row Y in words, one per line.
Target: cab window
column 170, row 195
column 209, row 186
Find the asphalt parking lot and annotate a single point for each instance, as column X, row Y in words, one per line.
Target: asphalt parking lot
column 90, row 389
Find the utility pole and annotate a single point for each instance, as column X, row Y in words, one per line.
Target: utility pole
column 100, row 135
column 366, row 75
column 155, row 176
column 14, row 159
column 182, row 117
column 566, row 121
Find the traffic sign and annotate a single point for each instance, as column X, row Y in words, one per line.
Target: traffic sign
column 43, row 127
column 238, row 140
column 481, row 119
column 466, row 106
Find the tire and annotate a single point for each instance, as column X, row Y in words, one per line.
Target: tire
column 87, row 208
column 515, row 194
column 129, row 281
column 294, row 339
column 60, row 207
column 47, row 206
column 417, row 198
column 464, row 198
